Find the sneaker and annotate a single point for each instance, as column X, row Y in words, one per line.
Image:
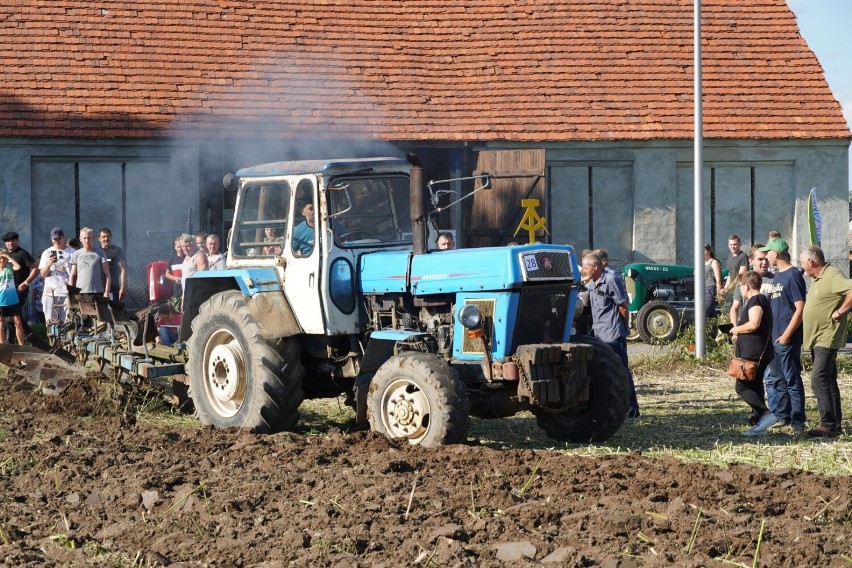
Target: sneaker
column 822, row 431
column 798, row 428
column 763, row 424
column 634, row 413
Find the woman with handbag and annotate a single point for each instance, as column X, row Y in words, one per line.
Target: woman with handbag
column 751, row 338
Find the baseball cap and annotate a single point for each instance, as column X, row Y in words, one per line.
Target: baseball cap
column 57, row 233
column 778, row 245
column 10, row 236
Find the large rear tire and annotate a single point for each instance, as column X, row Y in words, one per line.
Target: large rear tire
column 609, row 398
column 658, row 322
column 237, row 379
column 416, row 396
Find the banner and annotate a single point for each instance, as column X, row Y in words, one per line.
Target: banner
column 814, row 219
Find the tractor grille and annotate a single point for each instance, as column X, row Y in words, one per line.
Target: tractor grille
column 546, row 265
column 541, row 315
column 486, row 308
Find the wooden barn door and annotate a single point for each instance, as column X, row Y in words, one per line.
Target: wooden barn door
column 492, row 216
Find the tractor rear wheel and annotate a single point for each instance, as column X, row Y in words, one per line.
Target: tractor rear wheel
column 658, row 322
column 609, row 398
column 417, row 396
column 238, row 379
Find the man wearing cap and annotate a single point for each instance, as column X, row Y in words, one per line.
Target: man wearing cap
column 784, row 374
column 303, row 233
column 829, row 300
column 53, row 266
column 23, row 279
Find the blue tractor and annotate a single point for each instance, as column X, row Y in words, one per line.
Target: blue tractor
column 331, row 289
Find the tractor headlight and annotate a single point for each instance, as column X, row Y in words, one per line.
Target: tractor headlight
column 470, row 316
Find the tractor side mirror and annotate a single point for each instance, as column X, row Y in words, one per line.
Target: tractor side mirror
column 230, row 182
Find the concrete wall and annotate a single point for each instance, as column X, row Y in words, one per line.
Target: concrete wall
column 146, row 192
column 641, row 195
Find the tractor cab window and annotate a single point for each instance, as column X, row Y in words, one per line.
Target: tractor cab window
column 370, row 211
column 304, row 219
column 262, row 222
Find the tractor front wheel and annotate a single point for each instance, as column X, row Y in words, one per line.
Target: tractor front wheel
column 416, row 396
column 238, row 379
column 658, row 322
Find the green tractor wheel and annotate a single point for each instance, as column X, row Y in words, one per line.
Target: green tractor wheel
column 658, row 322
column 633, row 333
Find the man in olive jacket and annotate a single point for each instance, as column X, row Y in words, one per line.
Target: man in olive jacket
column 827, row 303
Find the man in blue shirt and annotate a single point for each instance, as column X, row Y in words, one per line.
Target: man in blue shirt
column 303, row 233
column 784, row 374
column 608, row 299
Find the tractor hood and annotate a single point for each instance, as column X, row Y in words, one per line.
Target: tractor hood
column 650, row 271
column 466, row 270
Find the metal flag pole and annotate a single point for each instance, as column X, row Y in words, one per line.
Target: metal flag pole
column 698, row 168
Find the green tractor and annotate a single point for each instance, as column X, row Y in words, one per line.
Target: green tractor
column 661, row 298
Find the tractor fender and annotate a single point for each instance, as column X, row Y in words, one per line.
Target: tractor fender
column 262, row 292
column 382, row 346
column 274, row 315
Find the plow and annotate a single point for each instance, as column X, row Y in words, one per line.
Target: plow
column 98, row 334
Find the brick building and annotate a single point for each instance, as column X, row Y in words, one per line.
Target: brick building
column 127, row 114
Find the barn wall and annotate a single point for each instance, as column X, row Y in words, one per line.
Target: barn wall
column 750, row 188
column 147, row 193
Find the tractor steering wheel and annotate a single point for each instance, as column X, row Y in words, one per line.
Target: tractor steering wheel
column 363, row 234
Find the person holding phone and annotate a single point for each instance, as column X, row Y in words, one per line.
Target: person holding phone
column 53, row 267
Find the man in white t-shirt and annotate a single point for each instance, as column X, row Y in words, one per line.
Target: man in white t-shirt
column 53, row 267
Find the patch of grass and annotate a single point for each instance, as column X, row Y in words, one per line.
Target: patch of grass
column 318, row 416
column 689, row 412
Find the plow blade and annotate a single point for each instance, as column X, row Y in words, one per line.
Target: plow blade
column 50, row 372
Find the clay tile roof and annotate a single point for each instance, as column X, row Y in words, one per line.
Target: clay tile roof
column 520, row 70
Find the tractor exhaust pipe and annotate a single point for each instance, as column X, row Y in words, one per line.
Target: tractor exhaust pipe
column 419, row 226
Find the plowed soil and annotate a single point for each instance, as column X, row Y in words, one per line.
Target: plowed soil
column 82, row 483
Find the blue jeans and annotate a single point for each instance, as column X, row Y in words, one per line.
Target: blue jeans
column 167, row 336
column 785, row 393
column 710, row 304
column 620, row 348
